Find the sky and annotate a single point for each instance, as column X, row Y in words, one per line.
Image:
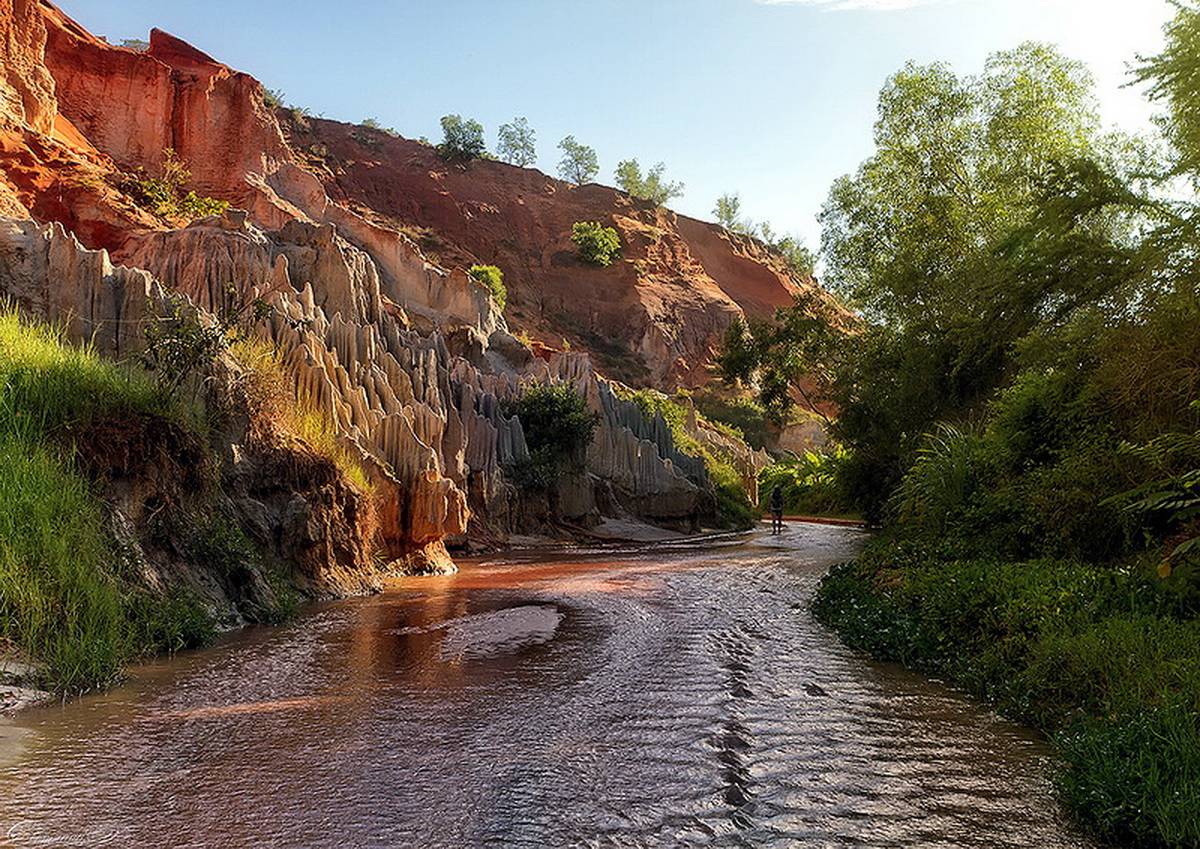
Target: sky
column 771, row 99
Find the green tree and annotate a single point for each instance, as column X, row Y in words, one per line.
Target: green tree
column 597, row 244
column 992, row 212
column 578, row 164
column 795, row 253
column 516, row 143
column 728, row 212
column 462, row 139
column 558, row 429
column 789, row 357
column 491, row 278
column 1171, row 77
column 651, row 187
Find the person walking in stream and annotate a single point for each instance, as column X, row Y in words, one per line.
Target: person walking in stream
column 776, row 506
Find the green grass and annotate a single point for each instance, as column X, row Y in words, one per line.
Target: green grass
column 1096, row 656
column 269, row 388
column 58, row 602
column 63, row 601
column 49, row 387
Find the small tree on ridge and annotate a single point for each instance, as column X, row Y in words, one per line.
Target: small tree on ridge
column 579, row 164
column 463, row 139
column 515, row 143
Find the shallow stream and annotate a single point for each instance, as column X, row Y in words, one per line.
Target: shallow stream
column 672, row 694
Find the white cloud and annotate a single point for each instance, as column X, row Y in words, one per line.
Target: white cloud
column 853, row 5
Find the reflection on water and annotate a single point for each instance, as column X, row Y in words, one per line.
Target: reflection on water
column 665, row 696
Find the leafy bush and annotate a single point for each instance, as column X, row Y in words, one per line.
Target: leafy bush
column 1172, row 502
column 558, row 428
column 733, row 507
column 744, row 415
column 165, row 195
column 273, row 97
column 1092, row 655
column 462, row 139
column 597, row 244
column 215, row 542
column 491, row 279
column 795, row 253
column 651, row 187
column 181, row 343
column 941, row 481
column 170, row 623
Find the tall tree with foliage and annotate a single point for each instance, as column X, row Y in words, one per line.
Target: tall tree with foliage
column 1171, row 77
column 652, row 187
column 943, row 240
column 579, row 164
column 516, row 143
column 787, row 358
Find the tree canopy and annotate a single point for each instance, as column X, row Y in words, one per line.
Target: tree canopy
column 579, row 164
column 652, row 187
column 462, row 139
column 516, row 143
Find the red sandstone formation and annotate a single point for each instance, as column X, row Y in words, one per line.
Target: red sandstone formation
column 654, row 317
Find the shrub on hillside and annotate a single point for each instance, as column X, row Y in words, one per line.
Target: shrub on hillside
column 491, row 279
column 597, row 244
column 745, row 415
column 462, row 139
column 558, row 428
column 652, row 186
column 272, row 97
column 165, row 195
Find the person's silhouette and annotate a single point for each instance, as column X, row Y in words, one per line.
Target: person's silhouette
column 776, row 506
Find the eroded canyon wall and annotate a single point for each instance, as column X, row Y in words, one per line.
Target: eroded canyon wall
column 409, row 359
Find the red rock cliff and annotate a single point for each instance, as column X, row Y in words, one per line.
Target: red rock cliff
column 654, row 317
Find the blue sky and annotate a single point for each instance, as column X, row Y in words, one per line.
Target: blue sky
column 772, row 100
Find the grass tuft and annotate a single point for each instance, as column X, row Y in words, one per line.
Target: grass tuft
column 270, row 390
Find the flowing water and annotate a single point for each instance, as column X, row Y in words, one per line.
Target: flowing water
column 668, row 695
